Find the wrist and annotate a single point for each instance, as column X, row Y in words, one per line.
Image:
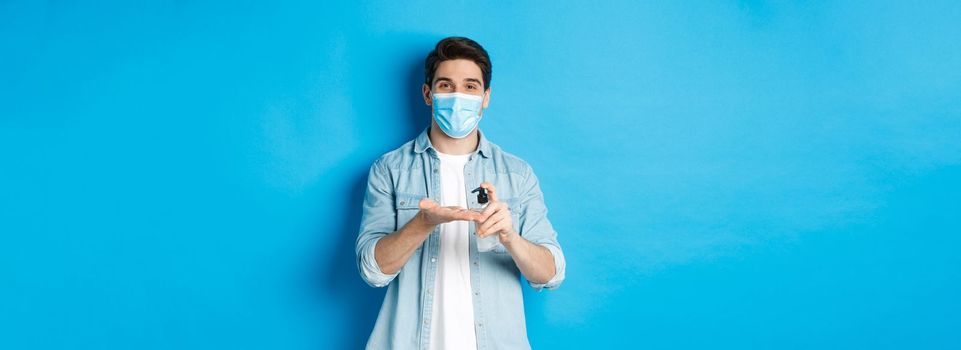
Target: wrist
column 420, row 224
column 511, row 239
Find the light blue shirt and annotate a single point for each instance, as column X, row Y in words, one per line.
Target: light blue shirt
column 396, row 183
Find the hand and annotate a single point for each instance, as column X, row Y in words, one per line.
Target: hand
column 496, row 218
column 434, row 214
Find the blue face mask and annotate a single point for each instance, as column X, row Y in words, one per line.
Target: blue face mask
column 457, row 114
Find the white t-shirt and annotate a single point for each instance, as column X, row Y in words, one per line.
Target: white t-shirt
column 452, row 325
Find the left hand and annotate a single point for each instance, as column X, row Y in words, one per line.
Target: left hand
column 496, row 218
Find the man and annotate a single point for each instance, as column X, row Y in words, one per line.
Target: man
column 420, row 229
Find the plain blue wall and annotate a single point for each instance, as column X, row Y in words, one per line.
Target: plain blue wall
column 728, row 175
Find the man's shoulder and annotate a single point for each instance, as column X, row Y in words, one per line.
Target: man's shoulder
column 396, row 157
column 511, row 162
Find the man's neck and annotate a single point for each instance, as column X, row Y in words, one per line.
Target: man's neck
column 449, row 145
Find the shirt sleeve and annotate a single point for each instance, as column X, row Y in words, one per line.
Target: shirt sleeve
column 536, row 228
column 378, row 220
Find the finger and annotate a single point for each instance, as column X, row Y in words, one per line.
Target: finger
column 496, row 227
column 494, row 219
column 485, row 228
column 490, row 190
column 466, row 215
column 458, row 213
column 501, row 228
column 488, row 211
column 427, row 203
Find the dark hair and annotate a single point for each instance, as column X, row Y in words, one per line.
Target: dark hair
column 453, row 48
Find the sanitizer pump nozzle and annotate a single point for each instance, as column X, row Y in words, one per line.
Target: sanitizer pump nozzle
column 481, row 195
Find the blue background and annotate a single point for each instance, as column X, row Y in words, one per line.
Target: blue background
column 725, row 174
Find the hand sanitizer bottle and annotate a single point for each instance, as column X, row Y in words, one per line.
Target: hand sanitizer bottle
column 488, row 243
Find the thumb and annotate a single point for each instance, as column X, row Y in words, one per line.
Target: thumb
column 427, row 203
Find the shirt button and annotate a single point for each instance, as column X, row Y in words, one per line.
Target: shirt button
column 433, row 259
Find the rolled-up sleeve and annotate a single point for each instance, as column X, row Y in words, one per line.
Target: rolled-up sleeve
column 377, row 221
column 536, row 228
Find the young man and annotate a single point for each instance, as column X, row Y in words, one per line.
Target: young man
column 422, row 225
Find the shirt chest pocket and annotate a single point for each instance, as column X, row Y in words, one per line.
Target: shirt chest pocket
column 407, row 205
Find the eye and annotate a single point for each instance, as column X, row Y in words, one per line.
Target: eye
column 472, row 87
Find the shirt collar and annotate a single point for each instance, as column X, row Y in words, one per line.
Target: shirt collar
column 422, row 143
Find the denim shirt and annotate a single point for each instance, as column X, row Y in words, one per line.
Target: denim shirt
column 396, row 183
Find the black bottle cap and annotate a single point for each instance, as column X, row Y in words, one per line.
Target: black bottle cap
column 481, row 196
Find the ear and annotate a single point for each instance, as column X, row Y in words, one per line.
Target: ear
column 425, row 91
column 487, row 97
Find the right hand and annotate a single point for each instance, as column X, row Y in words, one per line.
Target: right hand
column 435, row 214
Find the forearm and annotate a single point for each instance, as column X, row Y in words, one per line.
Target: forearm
column 535, row 261
column 393, row 251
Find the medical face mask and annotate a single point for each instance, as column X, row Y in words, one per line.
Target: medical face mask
column 457, row 114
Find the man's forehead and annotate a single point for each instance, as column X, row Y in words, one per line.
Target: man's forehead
column 458, row 69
